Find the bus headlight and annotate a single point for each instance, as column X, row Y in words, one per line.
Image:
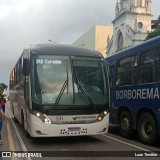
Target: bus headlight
column 42, row 117
column 101, row 116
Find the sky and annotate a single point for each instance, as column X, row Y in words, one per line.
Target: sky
column 25, row 22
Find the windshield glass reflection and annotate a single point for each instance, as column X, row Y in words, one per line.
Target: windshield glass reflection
column 57, row 82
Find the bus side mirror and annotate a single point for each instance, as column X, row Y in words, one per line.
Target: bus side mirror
column 26, row 67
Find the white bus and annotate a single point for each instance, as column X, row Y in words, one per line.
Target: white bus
column 60, row 90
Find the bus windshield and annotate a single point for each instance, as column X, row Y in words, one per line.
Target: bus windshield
column 68, row 80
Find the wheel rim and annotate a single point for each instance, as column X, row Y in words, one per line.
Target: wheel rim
column 147, row 129
column 125, row 124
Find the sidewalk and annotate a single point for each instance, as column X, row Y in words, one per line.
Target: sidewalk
column 8, row 136
column 6, row 144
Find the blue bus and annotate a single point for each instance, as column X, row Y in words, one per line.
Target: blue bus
column 135, row 90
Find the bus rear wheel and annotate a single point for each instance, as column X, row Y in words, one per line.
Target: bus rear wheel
column 147, row 130
column 125, row 124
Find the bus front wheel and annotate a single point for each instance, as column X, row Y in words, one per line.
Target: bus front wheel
column 23, row 125
column 147, row 130
column 125, row 124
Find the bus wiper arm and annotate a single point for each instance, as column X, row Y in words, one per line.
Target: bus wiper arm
column 85, row 92
column 62, row 89
column 83, row 88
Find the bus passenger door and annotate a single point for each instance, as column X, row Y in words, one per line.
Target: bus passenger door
column 112, row 90
column 26, row 103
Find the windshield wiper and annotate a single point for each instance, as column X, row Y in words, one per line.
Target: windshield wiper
column 83, row 89
column 62, row 89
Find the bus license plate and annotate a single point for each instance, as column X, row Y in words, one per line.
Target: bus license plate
column 74, row 129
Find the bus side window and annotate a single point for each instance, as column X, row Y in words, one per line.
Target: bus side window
column 147, row 66
column 144, row 75
column 118, row 81
column 126, row 71
column 157, row 64
column 110, row 74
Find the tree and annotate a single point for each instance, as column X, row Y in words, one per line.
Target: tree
column 156, row 32
column 2, row 88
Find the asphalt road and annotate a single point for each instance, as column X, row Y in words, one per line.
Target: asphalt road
column 110, row 146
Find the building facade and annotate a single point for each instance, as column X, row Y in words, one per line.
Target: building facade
column 131, row 25
column 95, row 38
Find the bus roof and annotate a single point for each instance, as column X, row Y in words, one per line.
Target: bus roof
column 61, row 49
column 135, row 49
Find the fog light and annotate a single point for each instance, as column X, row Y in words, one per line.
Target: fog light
column 38, row 131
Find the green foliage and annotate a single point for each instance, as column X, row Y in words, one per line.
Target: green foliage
column 2, row 88
column 154, row 33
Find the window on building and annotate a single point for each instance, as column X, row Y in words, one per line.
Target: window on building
column 120, row 42
column 140, row 3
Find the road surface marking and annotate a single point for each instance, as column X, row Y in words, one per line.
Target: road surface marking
column 10, row 140
column 126, row 143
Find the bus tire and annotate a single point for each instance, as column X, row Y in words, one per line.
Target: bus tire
column 28, row 135
column 147, row 130
column 22, row 119
column 14, row 118
column 125, row 124
column 23, row 125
